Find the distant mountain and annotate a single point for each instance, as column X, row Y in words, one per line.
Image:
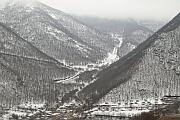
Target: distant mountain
column 152, row 70
column 56, row 34
column 153, row 25
column 131, row 32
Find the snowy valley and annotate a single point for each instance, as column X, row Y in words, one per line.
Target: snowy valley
column 57, row 66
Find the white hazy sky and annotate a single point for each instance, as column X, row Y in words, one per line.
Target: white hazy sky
column 140, row 9
column 156, row 9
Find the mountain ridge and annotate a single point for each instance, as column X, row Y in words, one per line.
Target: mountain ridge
column 61, row 30
column 118, row 70
column 131, row 31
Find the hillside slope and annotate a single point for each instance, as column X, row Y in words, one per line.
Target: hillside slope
column 12, row 43
column 151, row 70
column 56, row 33
column 27, row 73
column 132, row 32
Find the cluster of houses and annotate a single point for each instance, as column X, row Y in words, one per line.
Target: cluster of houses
column 131, row 108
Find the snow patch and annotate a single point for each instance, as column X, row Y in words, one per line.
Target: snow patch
column 113, row 56
column 53, row 16
column 32, row 106
column 131, row 46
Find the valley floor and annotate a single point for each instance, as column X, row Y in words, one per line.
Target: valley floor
column 166, row 109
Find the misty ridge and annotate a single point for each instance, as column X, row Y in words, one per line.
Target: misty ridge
column 63, row 65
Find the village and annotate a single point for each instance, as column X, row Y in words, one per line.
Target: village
column 131, row 108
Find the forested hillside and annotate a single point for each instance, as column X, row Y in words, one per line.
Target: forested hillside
column 151, row 70
column 57, row 34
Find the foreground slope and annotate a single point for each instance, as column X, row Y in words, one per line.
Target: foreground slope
column 30, row 80
column 27, row 73
column 151, row 70
column 56, row 33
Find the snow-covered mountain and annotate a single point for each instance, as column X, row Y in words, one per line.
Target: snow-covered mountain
column 48, row 58
column 153, row 25
column 57, row 34
column 131, row 31
column 26, row 73
column 39, row 46
column 152, row 70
